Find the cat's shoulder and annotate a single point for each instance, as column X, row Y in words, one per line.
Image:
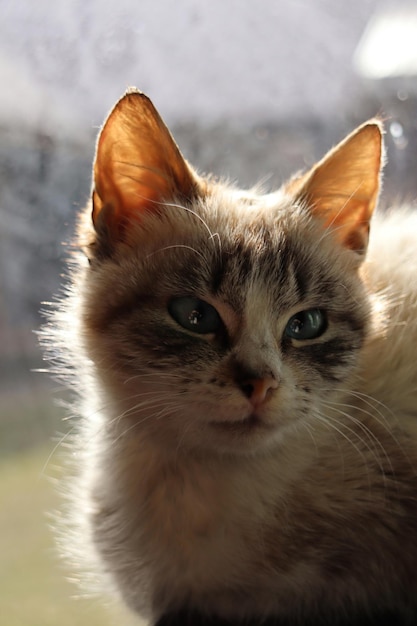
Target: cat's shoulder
column 388, row 361
column 391, row 262
column 394, row 232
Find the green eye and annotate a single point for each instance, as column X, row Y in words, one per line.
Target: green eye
column 306, row 324
column 195, row 315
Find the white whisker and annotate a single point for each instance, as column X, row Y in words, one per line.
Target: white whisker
column 212, row 235
column 376, row 412
column 330, row 421
column 175, row 246
column 373, row 439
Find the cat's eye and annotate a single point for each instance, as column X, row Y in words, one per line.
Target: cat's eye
column 307, row 324
column 195, row 315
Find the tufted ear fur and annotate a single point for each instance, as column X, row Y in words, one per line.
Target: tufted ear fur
column 137, row 167
column 342, row 189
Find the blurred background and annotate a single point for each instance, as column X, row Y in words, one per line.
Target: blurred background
column 251, row 90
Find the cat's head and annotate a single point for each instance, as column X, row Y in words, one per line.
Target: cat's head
column 218, row 318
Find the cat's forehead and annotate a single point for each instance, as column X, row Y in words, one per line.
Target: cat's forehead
column 254, row 198
column 246, row 206
column 257, row 269
column 256, row 248
column 246, row 223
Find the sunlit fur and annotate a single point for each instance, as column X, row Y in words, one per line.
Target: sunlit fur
column 178, row 500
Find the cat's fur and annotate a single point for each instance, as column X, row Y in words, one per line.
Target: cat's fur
column 244, row 473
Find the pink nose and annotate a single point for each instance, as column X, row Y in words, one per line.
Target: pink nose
column 256, row 389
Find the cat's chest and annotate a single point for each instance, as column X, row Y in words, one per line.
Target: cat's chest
column 194, row 510
column 253, row 533
column 199, row 521
column 213, row 533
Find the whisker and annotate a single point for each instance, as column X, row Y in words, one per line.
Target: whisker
column 377, row 415
column 58, row 445
column 166, row 410
column 167, row 376
column 212, row 235
column 175, row 246
column 372, row 437
column 330, row 422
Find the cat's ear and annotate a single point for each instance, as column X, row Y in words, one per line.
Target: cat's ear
column 342, row 189
column 137, row 167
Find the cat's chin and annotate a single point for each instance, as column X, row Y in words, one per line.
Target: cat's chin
column 250, row 435
column 248, row 424
column 242, row 435
column 251, row 432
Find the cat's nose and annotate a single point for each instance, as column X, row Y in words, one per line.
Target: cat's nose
column 257, row 389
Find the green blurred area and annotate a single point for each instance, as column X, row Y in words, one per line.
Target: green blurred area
column 34, row 590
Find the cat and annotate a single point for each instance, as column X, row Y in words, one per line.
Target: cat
column 246, row 368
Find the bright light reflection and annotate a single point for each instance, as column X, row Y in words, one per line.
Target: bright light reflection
column 388, row 47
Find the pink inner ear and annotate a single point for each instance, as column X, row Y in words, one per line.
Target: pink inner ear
column 342, row 189
column 138, row 165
